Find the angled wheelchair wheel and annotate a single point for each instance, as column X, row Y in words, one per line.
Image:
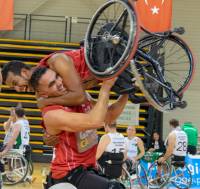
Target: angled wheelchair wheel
column 181, row 177
column 176, row 63
column 16, row 168
column 125, row 178
column 111, row 39
column 158, row 175
column 141, row 176
column 30, row 167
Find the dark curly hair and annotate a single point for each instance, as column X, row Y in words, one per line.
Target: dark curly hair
column 36, row 76
column 15, row 67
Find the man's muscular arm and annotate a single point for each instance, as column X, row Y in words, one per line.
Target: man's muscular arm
column 116, row 109
column 59, row 120
column 64, row 66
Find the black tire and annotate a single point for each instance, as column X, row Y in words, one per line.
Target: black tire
column 108, row 46
column 177, row 77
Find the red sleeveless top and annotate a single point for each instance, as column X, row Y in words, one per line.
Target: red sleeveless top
column 74, row 149
column 78, row 59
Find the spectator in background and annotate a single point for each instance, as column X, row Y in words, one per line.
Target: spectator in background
column 157, row 144
column 192, row 134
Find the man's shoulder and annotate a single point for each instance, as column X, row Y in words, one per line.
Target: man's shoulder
column 54, row 108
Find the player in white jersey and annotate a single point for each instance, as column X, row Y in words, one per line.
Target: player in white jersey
column 176, row 143
column 135, row 149
column 113, row 141
column 20, row 133
column 135, row 145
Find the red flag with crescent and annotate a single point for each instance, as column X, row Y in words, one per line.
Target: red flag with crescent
column 155, row 15
column 6, row 14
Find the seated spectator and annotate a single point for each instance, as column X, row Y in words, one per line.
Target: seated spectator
column 157, row 144
column 192, row 134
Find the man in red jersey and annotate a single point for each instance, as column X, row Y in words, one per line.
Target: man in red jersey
column 70, row 65
column 74, row 158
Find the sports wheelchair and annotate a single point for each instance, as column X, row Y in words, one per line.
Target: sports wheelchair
column 16, row 167
column 162, row 63
column 175, row 172
column 112, row 166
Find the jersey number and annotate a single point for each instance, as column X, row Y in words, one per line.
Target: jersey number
column 182, row 147
column 117, row 151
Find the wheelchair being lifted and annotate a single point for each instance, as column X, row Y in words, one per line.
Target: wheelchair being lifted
column 162, row 63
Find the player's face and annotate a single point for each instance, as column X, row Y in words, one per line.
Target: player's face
column 17, row 82
column 131, row 131
column 51, row 84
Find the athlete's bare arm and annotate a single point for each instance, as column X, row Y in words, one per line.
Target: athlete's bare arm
column 58, row 120
column 11, row 142
column 170, row 147
column 64, row 66
column 140, row 145
column 116, row 109
column 103, row 143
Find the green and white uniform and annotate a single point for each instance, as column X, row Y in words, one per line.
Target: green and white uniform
column 23, row 137
column 132, row 147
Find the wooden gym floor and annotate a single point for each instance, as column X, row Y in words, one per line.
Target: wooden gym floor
column 39, row 170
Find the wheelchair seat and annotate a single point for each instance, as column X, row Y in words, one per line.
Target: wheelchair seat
column 178, row 163
column 63, row 186
column 111, row 164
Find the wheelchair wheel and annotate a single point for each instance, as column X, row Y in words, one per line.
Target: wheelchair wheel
column 158, row 175
column 30, row 168
column 111, row 39
column 181, row 177
column 141, row 176
column 16, row 168
column 125, row 178
column 177, row 66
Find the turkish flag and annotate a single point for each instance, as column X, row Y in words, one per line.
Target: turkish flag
column 155, row 15
column 6, row 14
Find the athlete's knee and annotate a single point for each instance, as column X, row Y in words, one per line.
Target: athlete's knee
column 115, row 185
